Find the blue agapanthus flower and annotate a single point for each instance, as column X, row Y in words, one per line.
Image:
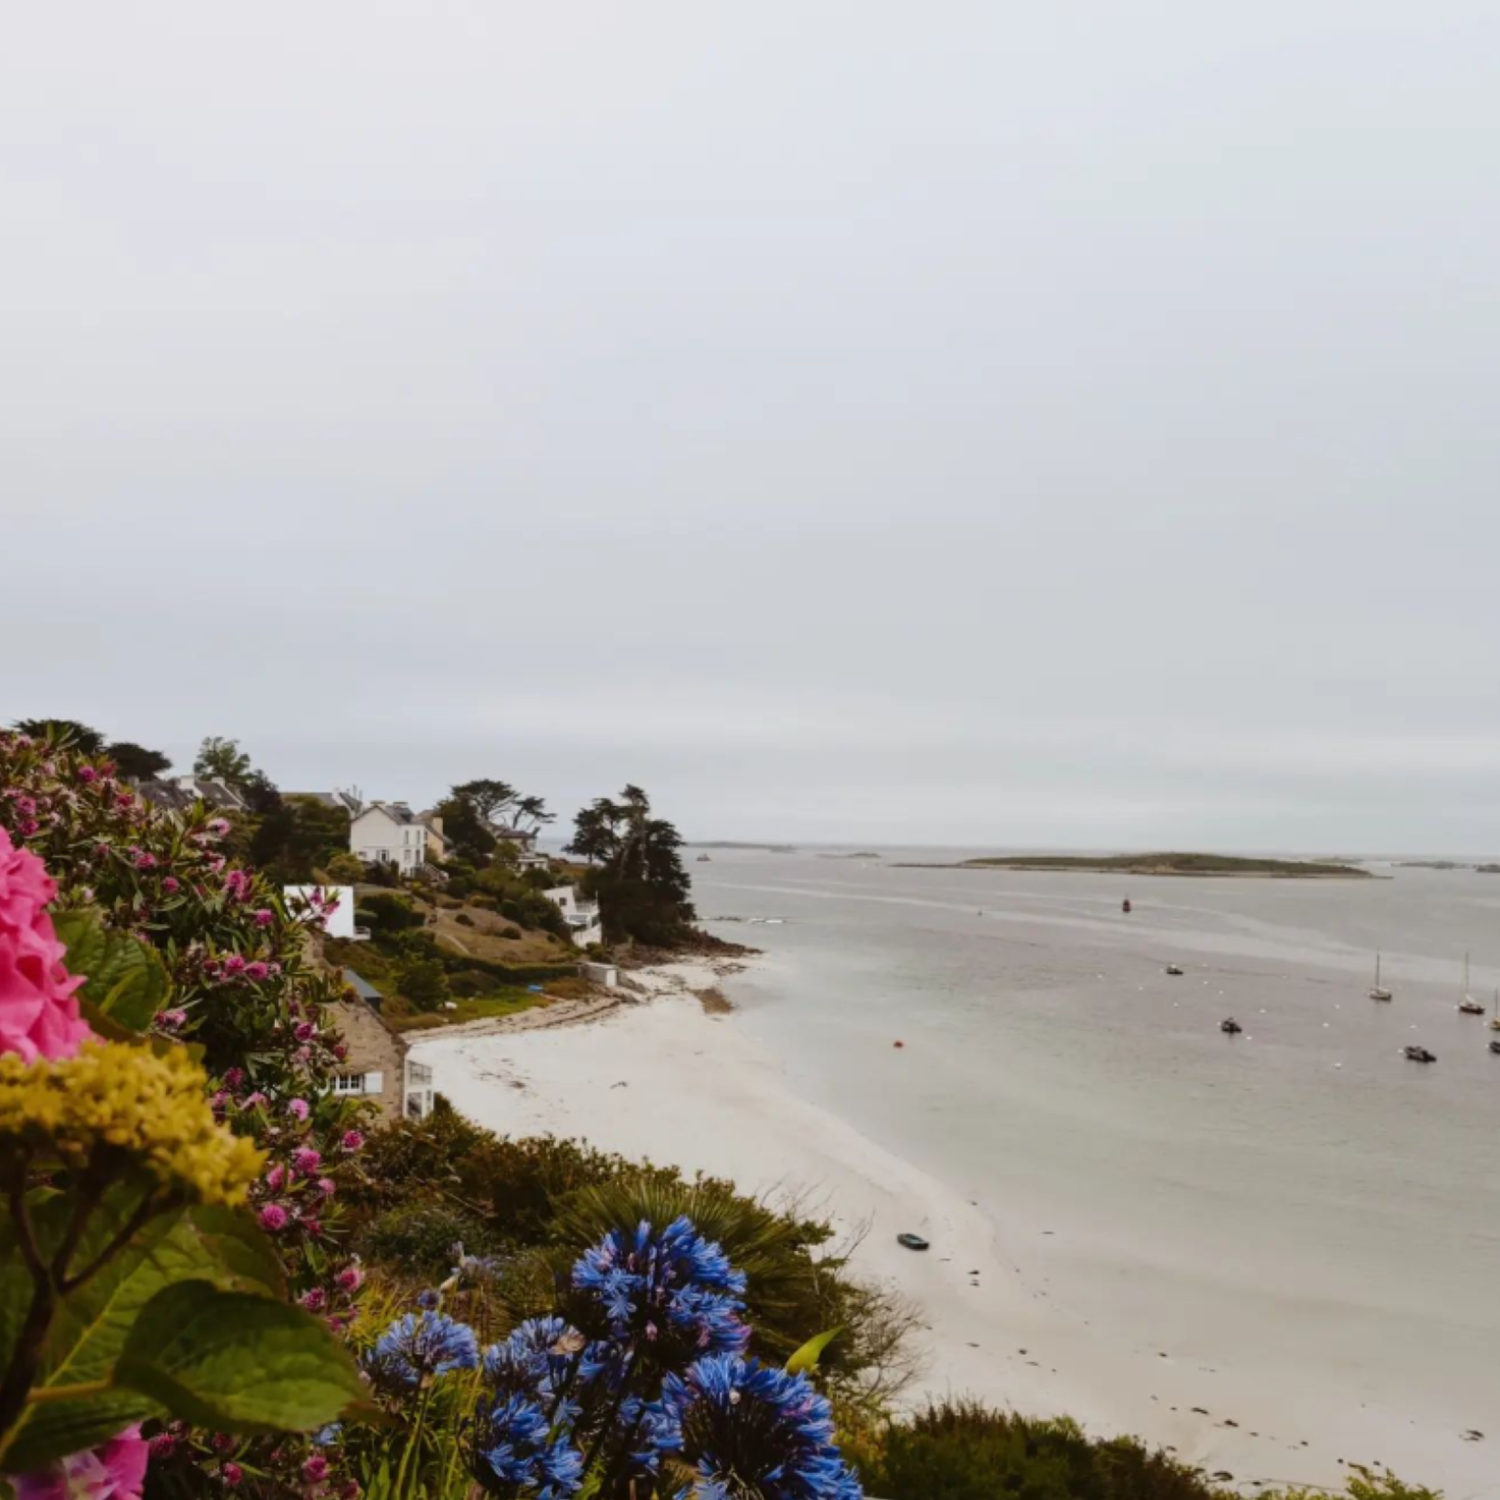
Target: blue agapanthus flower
column 519, row 1453
column 429, row 1299
column 420, row 1347
column 673, row 1286
column 475, row 1269
column 747, row 1427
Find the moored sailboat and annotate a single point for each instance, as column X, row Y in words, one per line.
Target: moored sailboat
column 1376, row 991
column 1469, row 1006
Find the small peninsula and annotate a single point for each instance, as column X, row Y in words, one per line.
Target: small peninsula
column 1162, row 864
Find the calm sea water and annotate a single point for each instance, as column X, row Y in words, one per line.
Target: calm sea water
column 1301, row 1194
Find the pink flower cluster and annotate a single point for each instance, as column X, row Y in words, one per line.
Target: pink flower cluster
column 39, row 1015
column 115, row 1470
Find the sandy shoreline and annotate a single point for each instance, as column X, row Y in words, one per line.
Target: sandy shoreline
column 669, row 1081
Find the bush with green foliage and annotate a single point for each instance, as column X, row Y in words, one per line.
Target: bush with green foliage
column 389, row 913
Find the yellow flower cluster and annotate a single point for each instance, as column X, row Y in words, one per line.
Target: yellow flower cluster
column 148, row 1106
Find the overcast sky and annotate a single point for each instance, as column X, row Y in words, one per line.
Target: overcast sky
column 1067, row 424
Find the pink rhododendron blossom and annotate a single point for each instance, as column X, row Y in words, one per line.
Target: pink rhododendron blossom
column 38, row 1012
column 125, row 799
column 87, row 773
column 353, row 1141
column 144, row 861
column 263, row 918
column 327, row 1186
column 305, row 1031
column 306, row 1160
column 115, row 1470
column 256, row 971
column 276, row 1178
column 170, row 885
column 234, row 964
column 273, row 1217
column 297, row 1108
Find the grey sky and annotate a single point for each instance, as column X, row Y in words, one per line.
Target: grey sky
column 1066, row 423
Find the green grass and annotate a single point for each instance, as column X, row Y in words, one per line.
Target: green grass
column 504, row 1002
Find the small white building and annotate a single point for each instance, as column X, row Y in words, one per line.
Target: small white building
column 582, row 917
column 389, row 833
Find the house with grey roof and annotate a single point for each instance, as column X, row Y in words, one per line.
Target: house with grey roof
column 389, row 833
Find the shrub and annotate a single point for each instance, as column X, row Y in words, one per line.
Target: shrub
column 390, row 913
column 464, row 919
column 964, row 1451
column 423, row 981
column 511, row 934
column 345, row 868
column 418, row 1238
column 460, row 885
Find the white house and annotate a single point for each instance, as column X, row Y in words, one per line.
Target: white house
column 389, row 833
column 582, row 917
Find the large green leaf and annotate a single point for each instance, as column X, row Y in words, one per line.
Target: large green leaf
column 807, row 1357
column 126, row 980
column 238, row 1363
column 93, row 1323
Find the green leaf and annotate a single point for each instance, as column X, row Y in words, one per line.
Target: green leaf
column 93, row 1323
column 807, row 1357
column 125, row 978
column 237, row 1363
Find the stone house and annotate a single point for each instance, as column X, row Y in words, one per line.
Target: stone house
column 377, row 1067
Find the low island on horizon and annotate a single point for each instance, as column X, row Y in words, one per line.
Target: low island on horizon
column 1206, row 865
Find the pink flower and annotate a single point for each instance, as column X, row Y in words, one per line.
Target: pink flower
column 340, row 1051
column 235, row 1078
column 253, row 1101
column 125, row 799
column 163, row 1445
column 352, row 1141
column 315, row 1300
column 273, row 1217
column 305, row 1031
column 276, row 1178
column 144, row 861
column 234, row 964
column 263, row 918
column 216, row 863
column 350, row 1279
column 220, row 1102
column 115, row 1470
column 26, row 806
column 297, row 1108
column 170, row 885
column 38, row 1014
column 306, row 1160
column 315, row 1470
column 256, row 971
column 171, row 1020
column 87, row 773
column 232, row 1474
column 27, row 826
column 218, row 827
column 327, row 1186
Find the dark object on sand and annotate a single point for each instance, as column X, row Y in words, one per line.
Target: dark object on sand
column 1230, row 1027
column 1420, row 1054
column 1173, row 970
column 912, row 1241
column 1495, row 1048
column 898, row 1044
column 1125, row 906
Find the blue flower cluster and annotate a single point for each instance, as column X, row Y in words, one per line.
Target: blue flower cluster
column 416, row 1349
column 674, row 1285
column 664, row 1396
column 752, row 1426
column 518, row 1451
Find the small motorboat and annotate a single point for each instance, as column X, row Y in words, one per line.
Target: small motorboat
column 912, row 1241
column 1230, row 1027
column 1125, row 906
column 1174, row 970
column 1420, row 1054
column 1495, row 1047
column 1469, row 1006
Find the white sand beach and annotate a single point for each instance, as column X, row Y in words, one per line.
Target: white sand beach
column 668, row 1081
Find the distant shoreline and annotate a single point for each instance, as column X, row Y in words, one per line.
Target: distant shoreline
column 1195, row 866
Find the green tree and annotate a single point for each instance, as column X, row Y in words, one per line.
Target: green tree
column 422, row 980
column 643, row 890
column 222, row 760
column 488, row 799
column 136, row 761
column 70, row 732
column 531, row 813
column 296, row 837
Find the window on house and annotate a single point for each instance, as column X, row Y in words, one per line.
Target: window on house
column 349, row 1083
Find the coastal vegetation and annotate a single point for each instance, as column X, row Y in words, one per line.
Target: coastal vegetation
column 1164, row 864
column 635, row 870
column 217, row 1275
